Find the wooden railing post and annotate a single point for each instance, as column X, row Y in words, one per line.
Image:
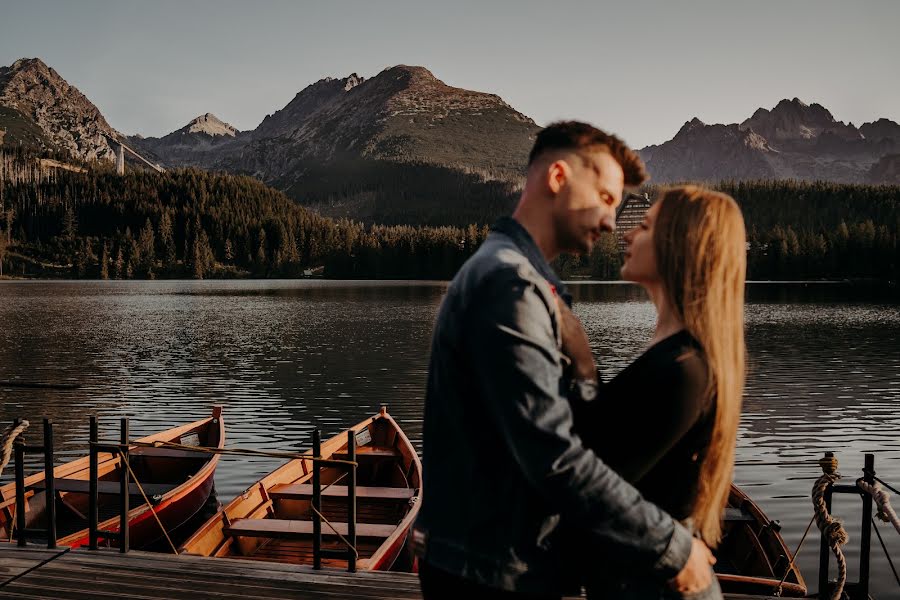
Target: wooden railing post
column 19, row 453
column 351, row 502
column 824, row 550
column 50, row 484
column 865, row 538
column 93, row 495
column 317, row 502
column 123, row 488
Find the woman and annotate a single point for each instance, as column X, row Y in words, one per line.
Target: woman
column 668, row 422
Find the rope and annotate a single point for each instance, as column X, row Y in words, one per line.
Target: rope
column 886, row 485
column 831, row 528
column 883, row 547
column 9, row 436
column 883, row 500
column 245, row 452
column 330, row 526
column 794, row 557
column 147, row 500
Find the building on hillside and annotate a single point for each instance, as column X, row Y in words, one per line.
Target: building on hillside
column 630, row 214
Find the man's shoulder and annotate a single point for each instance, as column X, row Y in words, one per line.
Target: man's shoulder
column 498, row 259
column 499, row 275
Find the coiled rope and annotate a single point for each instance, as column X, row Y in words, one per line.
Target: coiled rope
column 9, row 436
column 883, row 500
column 831, row 528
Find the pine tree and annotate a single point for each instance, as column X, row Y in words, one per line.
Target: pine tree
column 120, row 264
column 104, row 261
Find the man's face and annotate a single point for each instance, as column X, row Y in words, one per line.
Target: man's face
column 588, row 187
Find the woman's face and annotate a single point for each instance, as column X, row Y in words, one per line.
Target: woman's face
column 640, row 258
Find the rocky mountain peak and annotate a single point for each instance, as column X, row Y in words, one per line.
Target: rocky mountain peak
column 211, row 125
column 882, row 129
column 692, row 125
column 65, row 117
column 352, row 81
column 794, row 120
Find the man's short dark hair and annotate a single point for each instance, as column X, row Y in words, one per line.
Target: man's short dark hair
column 574, row 135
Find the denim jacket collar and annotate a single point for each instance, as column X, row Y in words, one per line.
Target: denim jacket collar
column 520, row 236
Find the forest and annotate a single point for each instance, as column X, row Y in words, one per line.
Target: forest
column 190, row 223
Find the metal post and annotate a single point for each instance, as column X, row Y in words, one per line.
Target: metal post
column 316, row 503
column 93, row 512
column 19, row 451
column 865, row 537
column 123, row 489
column 50, row 489
column 351, row 502
column 823, row 546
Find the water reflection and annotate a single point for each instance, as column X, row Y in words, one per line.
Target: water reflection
column 286, row 356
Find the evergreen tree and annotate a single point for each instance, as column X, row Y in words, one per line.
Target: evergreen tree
column 104, row 261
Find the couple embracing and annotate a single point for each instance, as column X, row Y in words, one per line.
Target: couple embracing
column 539, row 477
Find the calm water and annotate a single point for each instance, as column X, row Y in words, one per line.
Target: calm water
column 285, row 356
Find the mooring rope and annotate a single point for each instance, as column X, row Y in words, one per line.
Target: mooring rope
column 886, row 553
column 831, row 528
column 244, row 452
column 790, row 566
column 147, row 500
column 9, row 436
column 883, row 500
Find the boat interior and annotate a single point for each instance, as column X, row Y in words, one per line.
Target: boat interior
column 158, row 470
column 279, row 527
column 752, row 556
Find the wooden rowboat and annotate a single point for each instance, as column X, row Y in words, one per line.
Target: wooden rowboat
column 752, row 557
column 177, row 483
column 272, row 520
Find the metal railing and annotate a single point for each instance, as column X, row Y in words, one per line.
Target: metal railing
column 20, row 449
column 350, row 554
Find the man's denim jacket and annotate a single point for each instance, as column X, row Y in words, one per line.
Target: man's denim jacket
column 501, row 462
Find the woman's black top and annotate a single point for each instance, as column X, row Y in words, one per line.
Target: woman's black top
column 653, row 422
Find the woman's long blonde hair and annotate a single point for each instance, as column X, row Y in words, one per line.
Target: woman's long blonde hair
column 700, row 246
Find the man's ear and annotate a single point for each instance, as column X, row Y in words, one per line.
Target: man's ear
column 558, row 173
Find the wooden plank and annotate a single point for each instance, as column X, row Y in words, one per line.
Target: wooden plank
column 291, row 528
column 174, row 585
column 367, row 452
column 107, row 575
column 304, row 491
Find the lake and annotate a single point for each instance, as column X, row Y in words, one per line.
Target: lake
column 283, row 357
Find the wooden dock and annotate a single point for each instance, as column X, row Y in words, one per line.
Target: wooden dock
column 41, row 574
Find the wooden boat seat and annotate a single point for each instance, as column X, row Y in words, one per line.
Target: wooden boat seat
column 294, row 529
column 82, row 486
column 738, row 514
column 305, row 491
column 371, row 452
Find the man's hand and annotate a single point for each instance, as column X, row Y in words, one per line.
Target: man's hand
column 696, row 574
column 575, row 344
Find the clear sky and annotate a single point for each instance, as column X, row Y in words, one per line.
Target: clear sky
column 638, row 68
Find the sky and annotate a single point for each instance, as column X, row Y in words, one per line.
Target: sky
column 639, row 69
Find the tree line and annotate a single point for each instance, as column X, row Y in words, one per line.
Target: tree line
column 196, row 224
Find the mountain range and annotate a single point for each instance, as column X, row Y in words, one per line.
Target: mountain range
column 403, row 146
column 793, row 140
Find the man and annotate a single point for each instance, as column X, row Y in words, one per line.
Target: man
column 502, row 464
